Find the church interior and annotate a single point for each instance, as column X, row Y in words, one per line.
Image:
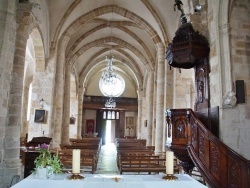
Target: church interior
column 171, row 75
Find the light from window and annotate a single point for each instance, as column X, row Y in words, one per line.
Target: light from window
column 114, row 90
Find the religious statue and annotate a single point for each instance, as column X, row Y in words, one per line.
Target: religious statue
column 200, row 92
column 178, row 3
column 229, row 100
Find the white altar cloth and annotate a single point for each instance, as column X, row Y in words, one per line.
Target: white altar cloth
column 108, row 181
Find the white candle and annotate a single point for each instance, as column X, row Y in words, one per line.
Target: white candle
column 76, row 161
column 169, row 162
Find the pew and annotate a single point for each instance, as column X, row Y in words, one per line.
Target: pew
column 141, row 163
column 87, row 160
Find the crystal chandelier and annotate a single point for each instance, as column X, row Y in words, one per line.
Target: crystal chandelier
column 108, row 75
column 109, row 79
column 110, row 103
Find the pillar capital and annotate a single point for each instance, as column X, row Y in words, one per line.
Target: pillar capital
column 26, row 19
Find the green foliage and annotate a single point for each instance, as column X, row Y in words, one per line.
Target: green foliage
column 45, row 159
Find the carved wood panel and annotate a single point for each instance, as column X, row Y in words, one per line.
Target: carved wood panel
column 219, row 165
column 193, row 133
column 234, row 174
column 214, row 160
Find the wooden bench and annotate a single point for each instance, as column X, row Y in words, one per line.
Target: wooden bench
column 141, row 164
column 122, row 153
column 86, row 160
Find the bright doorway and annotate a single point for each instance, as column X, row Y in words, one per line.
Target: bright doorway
column 110, row 132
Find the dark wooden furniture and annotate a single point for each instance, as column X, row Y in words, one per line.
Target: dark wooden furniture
column 141, row 163
column 36, row 141
column 87, row 160
column 28, row 157
column 28, row 153
column 195, row 145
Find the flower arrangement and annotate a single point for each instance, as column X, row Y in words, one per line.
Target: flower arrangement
column 46, row 159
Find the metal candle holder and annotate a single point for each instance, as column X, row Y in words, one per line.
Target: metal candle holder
column 75, row 177
column 169, row 177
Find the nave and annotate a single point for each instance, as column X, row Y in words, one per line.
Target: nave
column 107, row 160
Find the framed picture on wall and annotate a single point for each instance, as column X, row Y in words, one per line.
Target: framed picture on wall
column 129, row 122
column 90, row 126
column 72, row 120
column 40, row 116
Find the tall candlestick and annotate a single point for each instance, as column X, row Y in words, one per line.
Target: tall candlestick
column 169, row 162
column 76, row 161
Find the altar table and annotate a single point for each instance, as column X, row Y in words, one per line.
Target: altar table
column 110, row 181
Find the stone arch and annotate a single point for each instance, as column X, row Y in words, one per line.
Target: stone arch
column 39, row 50
column 118, row 25
column 91, row 63
column 107, row 40
column 62, row 21
column 158, row 20
column 144, row 25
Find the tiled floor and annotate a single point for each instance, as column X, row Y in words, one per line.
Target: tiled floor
column 107, row 160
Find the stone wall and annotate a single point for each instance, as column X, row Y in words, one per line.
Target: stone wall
column 184, row 88
column 7, row 48
column 235, row 122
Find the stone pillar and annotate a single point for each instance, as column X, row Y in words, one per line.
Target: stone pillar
column 79, row 117
column 26, row 22
column 159, row 147
column 7, row 49
column 66, row 106
column 150, row 108
column 24, row 124
column 57, row 111
column 56, row 123
column 138, row 131
column 13, row 129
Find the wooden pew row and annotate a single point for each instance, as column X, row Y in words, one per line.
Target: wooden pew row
column 141, row 163
column 88, row 159
column 81, row 146
column 124, row 140
column 133, row 153
column 95, row 140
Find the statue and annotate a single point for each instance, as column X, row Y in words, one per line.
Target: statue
column 229, row 100
column 178, row 3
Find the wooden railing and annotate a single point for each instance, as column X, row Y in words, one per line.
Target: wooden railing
column 196, row 146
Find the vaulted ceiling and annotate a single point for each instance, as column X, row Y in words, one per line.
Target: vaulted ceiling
column 126, row 29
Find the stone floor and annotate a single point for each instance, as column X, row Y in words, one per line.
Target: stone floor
column 107, row 160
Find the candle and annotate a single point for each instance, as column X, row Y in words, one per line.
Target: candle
column 169, row 162
column 76, row 161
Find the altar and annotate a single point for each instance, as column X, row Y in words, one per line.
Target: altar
column 110, row 181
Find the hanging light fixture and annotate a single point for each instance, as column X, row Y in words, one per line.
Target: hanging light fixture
column 109, row 80
column 108, row 75
column 110, row 103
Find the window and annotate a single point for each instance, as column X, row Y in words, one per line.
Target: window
column 114, row 90
column 110, row 114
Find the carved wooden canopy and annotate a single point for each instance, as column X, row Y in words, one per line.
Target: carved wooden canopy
column 187, row 48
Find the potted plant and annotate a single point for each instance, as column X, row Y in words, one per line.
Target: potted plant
column 46, row 163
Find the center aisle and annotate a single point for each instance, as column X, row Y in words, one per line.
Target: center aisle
column 107, row 160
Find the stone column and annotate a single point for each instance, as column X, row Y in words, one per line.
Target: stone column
column 149, row 99
column 24, row 124
column 79, row 117
column 9, row 154
column 57, row 111
column 138, row 131
column 13, row 130
column 66, row 106
column 159, row 147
